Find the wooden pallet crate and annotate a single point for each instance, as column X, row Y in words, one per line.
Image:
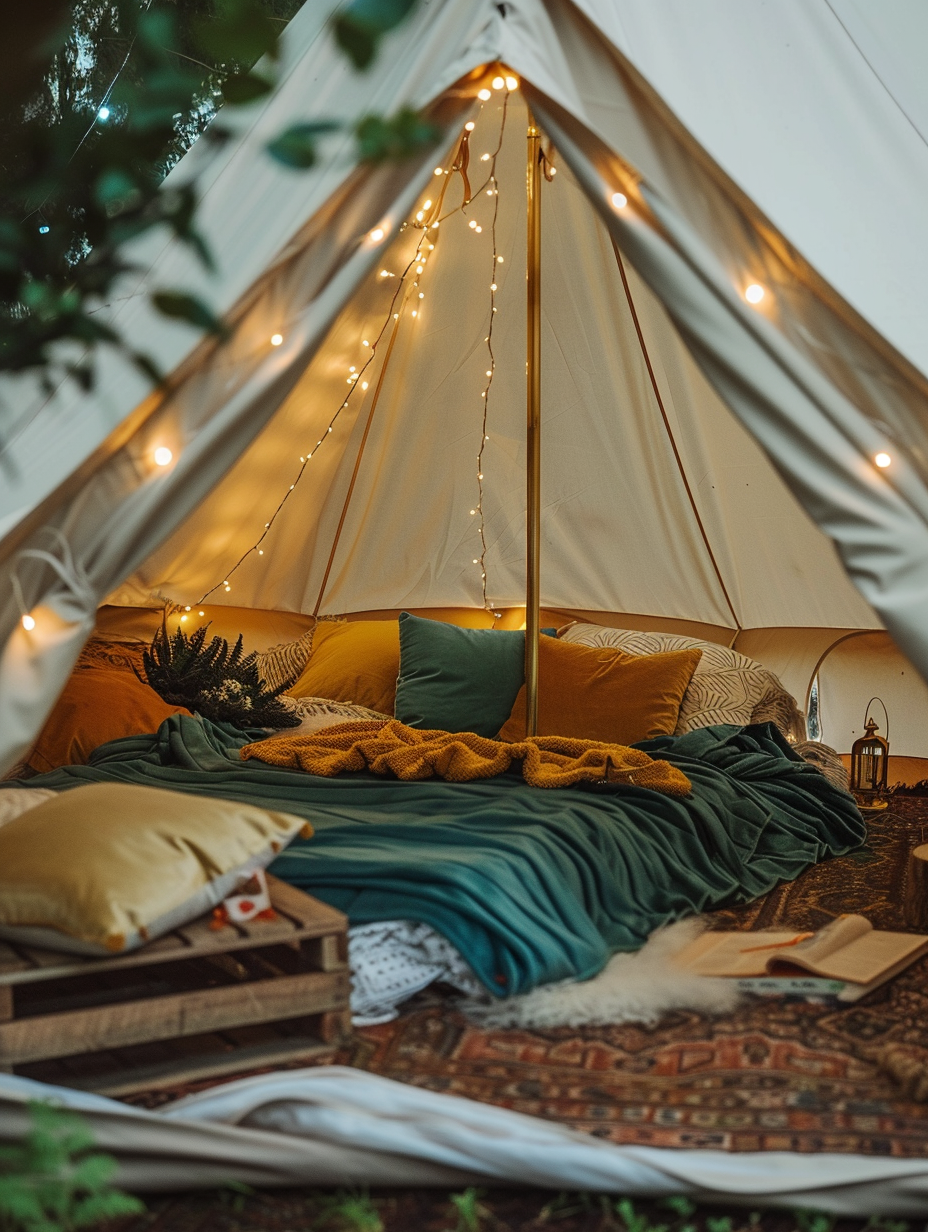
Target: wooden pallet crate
column 193, row 1004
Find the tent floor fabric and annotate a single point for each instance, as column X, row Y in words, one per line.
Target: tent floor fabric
column 775, row 1075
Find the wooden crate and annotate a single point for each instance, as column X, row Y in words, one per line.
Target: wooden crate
column 192, row 1004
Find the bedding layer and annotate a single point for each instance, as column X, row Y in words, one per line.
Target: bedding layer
column 530, row 886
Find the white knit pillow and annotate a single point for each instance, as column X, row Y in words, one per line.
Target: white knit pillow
column 727, row 687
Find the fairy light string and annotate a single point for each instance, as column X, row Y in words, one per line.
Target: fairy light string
column 481, row 561
column 427, row 220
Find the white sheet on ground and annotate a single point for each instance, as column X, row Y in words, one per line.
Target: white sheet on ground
column 337, row 1126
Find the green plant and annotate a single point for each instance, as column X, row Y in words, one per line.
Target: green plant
column 878, row 1223
column 98, row 100
column 470, row 1210
column 813, row 1221
column 219, row 682
column 721, row 1223
column 634, row 1222
column 347, row 1211
column 679, row 1205
column 53, row 1181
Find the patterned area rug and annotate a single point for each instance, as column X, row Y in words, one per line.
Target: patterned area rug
column 776, row 1075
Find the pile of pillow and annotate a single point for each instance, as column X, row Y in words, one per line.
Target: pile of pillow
column 597, row 683
column 438, row 676
column 727, row 687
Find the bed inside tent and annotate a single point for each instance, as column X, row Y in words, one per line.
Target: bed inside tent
column 357, row 450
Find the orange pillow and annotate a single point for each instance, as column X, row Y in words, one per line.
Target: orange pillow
column 97, row 705
column 600, row 693
column 354, row 661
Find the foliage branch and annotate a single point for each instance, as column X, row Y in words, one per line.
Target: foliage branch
column 104, row 98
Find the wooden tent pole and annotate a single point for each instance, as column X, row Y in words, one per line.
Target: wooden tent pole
column 533, row 427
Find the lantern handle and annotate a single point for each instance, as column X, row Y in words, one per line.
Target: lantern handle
column 885, row 713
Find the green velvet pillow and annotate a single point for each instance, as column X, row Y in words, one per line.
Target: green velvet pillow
column 454, row 679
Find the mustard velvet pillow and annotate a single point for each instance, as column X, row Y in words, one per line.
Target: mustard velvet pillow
column 598, row 693
column 97, row 705
column 104, row 868
column 354, row 661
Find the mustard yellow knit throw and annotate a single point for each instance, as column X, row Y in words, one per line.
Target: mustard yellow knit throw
column 390, row 747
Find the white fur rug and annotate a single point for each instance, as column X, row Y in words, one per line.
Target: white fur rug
column 636, row 987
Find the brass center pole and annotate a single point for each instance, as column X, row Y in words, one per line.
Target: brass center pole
column 533, row 428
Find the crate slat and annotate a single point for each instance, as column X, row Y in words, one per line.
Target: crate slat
column 187, row 1013
column 191, row 1069
column 10, row 960
column 299, row 917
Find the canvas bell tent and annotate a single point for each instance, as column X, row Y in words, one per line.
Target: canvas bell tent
column 734, row 312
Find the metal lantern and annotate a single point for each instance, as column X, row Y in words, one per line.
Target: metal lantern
column 870, row 763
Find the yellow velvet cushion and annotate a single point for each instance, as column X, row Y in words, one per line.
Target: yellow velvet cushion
column 598, row 693
column 354, row 661
column 104, row 868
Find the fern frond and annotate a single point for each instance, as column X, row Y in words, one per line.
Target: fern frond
column 216, row 681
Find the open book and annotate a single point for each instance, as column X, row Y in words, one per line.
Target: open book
column 849, row 951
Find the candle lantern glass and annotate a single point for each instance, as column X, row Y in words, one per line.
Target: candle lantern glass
column 869, row 768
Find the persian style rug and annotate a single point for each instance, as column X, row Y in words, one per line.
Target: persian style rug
column 775, row 1075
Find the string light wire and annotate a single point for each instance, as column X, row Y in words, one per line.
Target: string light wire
column 427, row 222
column 491, row 371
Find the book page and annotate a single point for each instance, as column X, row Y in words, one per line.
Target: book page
column 865, row 959
column 734, row 954
column 835, row 936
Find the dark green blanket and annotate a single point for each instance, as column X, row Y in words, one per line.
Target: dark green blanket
column 531, row 886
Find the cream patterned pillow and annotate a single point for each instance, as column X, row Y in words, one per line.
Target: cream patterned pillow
column 727, row 687
column 317, row 713
column 284, row 664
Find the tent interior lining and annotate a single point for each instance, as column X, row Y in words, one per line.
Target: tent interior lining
column 684, row 524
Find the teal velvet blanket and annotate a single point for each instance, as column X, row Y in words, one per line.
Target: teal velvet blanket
column 531, row 886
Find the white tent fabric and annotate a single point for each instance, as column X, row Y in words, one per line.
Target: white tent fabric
column 643, row 430
column 335, row 1126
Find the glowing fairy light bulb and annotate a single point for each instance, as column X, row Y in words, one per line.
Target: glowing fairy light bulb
column 472, row 224
column 276, row 339
column 439, row 171
column 484, row 158
column 28, row 623
column 469, row 126
column 500, row 260
column 484, row 95
column 163, row 456
column 754, row 293
column 428, row 204
column 419, row 216
column 512, row 83
column 883, row 460
column 498, row 83
column 377, row 234
column 619, row 200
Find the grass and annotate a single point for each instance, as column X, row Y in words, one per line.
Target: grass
column 239, row 1209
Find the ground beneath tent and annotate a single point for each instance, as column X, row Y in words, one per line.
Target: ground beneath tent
column 776, row 1075
column 492, row 1210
